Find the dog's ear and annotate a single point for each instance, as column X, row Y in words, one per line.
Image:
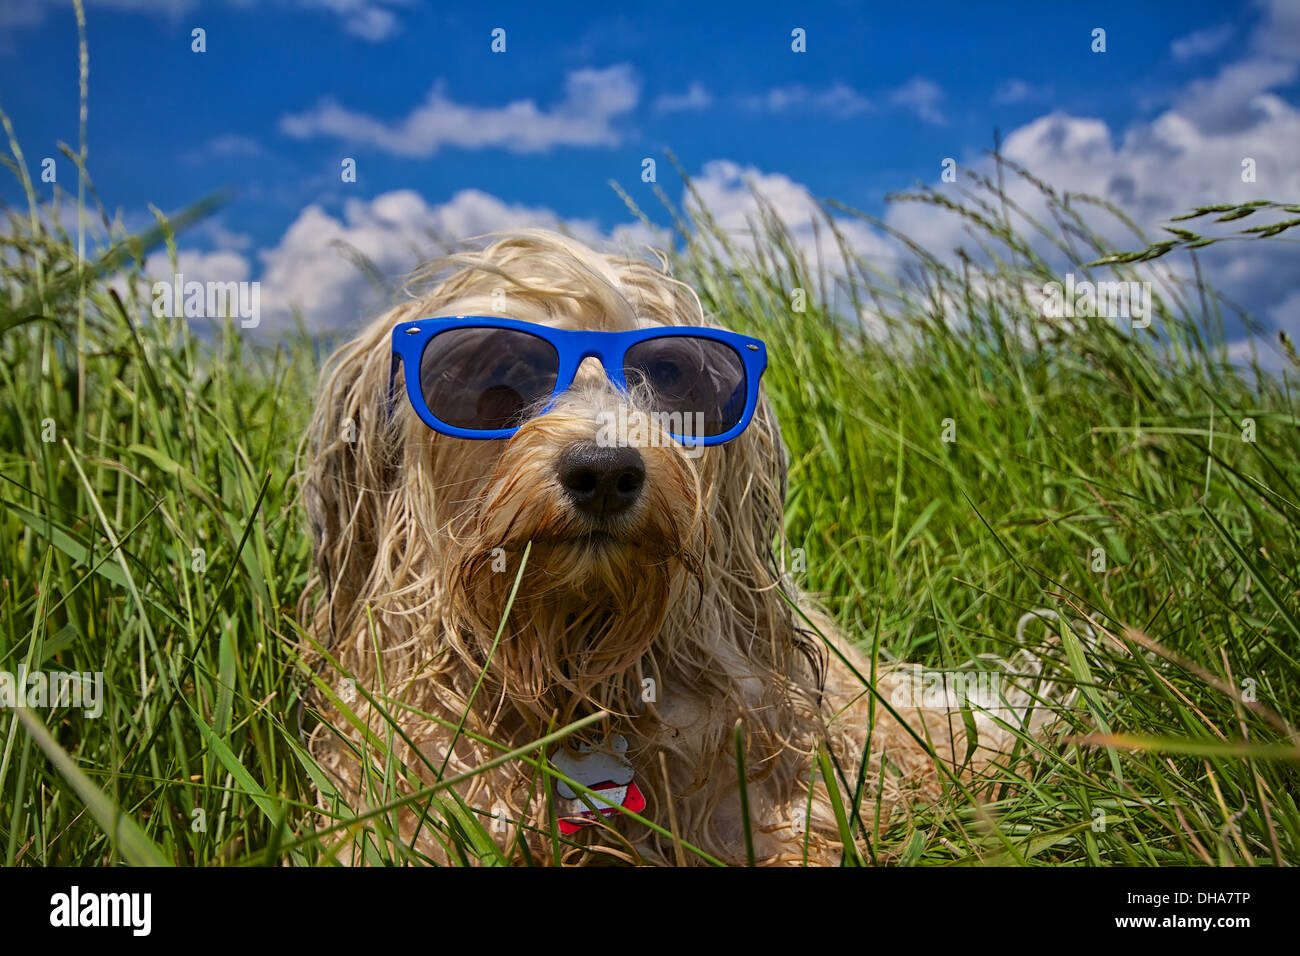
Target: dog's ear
column 757, row 486
column 351, row 469
column 752, row 488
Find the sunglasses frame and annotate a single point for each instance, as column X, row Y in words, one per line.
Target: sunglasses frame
column 572, row 347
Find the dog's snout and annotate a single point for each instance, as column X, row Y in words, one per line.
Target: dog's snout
column 601, row 481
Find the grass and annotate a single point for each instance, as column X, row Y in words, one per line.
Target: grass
column 149, row 529
column 1136, row 479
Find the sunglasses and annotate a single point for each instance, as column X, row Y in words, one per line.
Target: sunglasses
column 474, row 376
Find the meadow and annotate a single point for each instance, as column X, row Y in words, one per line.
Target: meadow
column 957, row 460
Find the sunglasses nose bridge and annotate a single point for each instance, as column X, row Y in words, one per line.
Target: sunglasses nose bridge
column 593, row 370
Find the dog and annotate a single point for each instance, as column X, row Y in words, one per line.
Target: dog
column 471, row 596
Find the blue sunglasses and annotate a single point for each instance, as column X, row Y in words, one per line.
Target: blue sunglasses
column 475, row 376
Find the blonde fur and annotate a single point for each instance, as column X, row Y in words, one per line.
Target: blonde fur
column 404, row 594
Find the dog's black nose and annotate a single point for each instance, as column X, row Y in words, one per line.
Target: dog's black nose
column 601, row 481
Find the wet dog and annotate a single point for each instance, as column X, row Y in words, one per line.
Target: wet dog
column 514, row 532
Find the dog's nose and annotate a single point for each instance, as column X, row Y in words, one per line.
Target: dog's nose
column 601, row 481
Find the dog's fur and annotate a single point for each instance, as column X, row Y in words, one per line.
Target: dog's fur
column 407, row 595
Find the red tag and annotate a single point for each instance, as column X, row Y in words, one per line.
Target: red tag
column 606, row 772
column 574, row 821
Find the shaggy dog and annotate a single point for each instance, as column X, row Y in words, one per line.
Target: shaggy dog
column 662, row 607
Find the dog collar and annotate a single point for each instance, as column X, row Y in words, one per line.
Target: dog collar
column 603, row 769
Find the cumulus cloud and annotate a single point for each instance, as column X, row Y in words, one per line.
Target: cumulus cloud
column 1236, row 98
column 1189, row 155
column 921, row 96
column 1201, row 42
column 371, row 20
column 836, row 99
column 212, row 233
column 696, row 97
column 1018, row 91
column 309, row 269
column 1279, row 32
column 233, row 144
column 221, row 266
column 1154, row 170
column 728, row 191
column 593, row 101
column 918, row 95
column 17, row 15
column 226, row 146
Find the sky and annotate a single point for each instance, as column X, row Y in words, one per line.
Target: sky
column 451, row 136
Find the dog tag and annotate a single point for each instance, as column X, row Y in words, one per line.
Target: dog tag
column 604, row 770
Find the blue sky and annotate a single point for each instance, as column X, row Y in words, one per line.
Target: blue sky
column 449, row 135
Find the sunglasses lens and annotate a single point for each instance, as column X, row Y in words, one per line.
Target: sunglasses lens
column 484, row 379
column 702, row 380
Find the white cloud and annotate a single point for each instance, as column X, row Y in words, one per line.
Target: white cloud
column 234, row 145
column 16, row 15
column 1189, row 155
column 227, row 146
column 1279, row 34
column 1201, row 42
column 1018, row 91
column 371, row 20
column 396, row 231
column 727, row 190
column 220, row 236
column 1156, row 170
column 1234, row 100
column 220, row 266
column 1287, row 313
column 921, row 96
column 918, row 95
column 169, row 8
column 837, row 99
column 696, row 98
column 1262, row 349
column 593, row 100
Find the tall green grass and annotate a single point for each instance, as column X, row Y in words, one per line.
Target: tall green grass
column 149, row 529
column 1131, row 479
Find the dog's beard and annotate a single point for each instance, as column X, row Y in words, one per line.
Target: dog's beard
column 593, row 595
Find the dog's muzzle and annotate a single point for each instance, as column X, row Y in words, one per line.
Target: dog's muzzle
column 601, row 482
